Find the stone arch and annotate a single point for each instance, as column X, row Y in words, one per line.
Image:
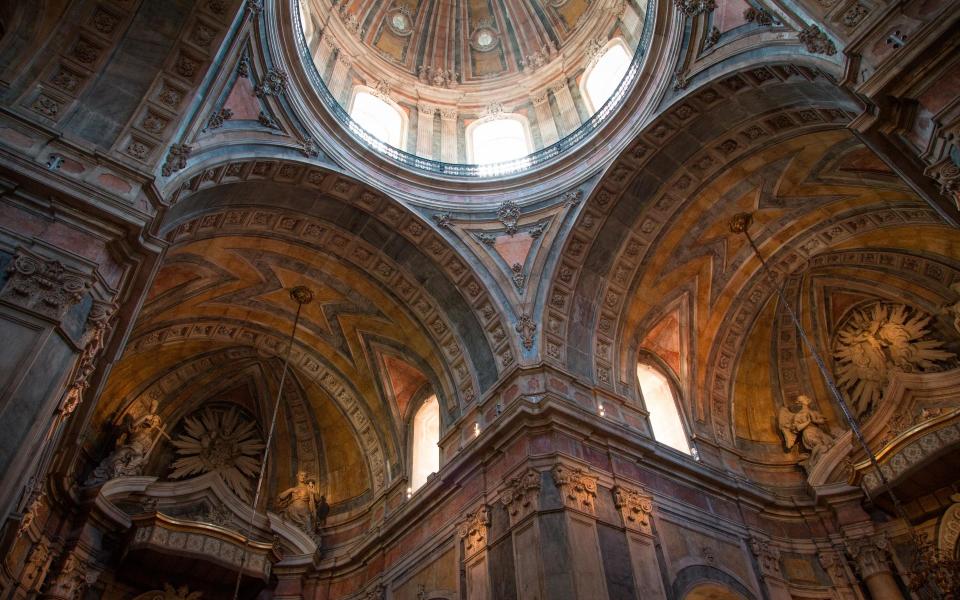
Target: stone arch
column 704, row 582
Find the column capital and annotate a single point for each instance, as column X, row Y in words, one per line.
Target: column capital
column 768, row 557
column 635, row 509
column 44, row 286
column 473, row 531
column 577, row 488
column 521, row 495
column 870, row 554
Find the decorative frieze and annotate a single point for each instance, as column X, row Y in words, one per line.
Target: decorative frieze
column 577, row 488
column 473, row 531
column 635, row 508
column 44, row 286
column 521, row 496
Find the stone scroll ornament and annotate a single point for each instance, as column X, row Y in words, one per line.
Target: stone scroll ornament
column 219, row 440
column 875, row 342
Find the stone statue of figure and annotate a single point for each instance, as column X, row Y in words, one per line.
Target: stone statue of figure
column 808, row 426
column 132, row 448
column 299, row 504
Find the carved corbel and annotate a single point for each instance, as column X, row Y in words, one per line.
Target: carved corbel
column 43, row 286
column 577, row 488
column 473, row 531
column 521, row 496
column 635, row 509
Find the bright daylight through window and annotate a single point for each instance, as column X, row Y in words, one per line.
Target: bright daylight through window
column 426, row 435
column 378, row 118
column 498, row 141
column 606, row 75
column 662, row 406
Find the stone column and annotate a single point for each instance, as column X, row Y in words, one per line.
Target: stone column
column 473, row 533
column 767, row 557
column 569, row 118
column 448, row 135
column 548, row 127
column 321, row 55
column 425, row 114
column 521, row 498
column 636, row 510
column 337, row 84
column 870, row 555
column 578, row 491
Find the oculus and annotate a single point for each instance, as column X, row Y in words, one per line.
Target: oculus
column 400, row 21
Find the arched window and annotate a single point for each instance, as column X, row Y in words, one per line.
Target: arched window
column 378, row 117
column 602, row 79
column 662, row 405
column 426, row 436
column 499, row 140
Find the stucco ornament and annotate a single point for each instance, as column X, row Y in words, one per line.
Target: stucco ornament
column 132, row 448
column 300, row 503
column 953, row 310
column 222, row 441
column 875, row 342
column 807, row 426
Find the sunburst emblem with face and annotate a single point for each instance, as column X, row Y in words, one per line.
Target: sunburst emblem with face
column 878, row 340
column 222, row 441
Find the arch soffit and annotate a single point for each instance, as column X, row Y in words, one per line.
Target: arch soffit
column 425, row 261
column 678, row 152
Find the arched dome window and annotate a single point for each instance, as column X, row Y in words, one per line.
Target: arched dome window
column 378, row 117
column 425, row 452
column 661, row 402
column 601, row 80
column 498, row 140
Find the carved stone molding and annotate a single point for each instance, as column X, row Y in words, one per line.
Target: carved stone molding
column 768, row 557
column 869, row 555
column 816, row 41
column 521, row 496
column 577, row 488
column 635, row 509
column 43, row 286
column 94, row 339
column 692, row 8
column 473, row 531
column 526, row 327
column 509, row 214
column 76, row 573
column 176, row 159
column 835, row 566
column 274, row 83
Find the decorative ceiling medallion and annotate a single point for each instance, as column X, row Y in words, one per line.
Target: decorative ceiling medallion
column 400, row 20
column 484, row 37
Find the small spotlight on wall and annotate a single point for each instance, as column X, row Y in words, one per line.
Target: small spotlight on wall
column 476, row 430
column 409, row 493
column 602, row 412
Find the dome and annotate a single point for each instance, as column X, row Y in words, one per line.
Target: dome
column 422, row 81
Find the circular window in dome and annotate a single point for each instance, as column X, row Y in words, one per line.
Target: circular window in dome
column 485, row 39
column 399, row 22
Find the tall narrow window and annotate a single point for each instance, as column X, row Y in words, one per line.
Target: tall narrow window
column 662, row 406
column 604, row 77
column 498, row 141
column 378, row 117
column 426, row 436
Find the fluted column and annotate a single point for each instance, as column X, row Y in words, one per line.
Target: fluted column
column 321, row 55
column 548, row 127
column 871, row 556
column 448, row 135
column 569, row 118
column 425, row 114
column 338, row 78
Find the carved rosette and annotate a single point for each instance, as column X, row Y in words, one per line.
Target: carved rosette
column 521, row 496
column 577, row 488
column 869, row 555
column 768, row 557
column 473, row 531
column 43, row 286
column 635, row 509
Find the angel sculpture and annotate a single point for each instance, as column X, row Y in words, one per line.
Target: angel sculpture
column 806, row 425
column 132, row 448
column 299, row 504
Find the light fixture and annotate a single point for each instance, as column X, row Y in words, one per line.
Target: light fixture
column 476, row 429
column 600, row 409
column 409, row 493
column 301, row 295
column 929, row 566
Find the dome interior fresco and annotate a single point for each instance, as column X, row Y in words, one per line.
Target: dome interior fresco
column 445, row 66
